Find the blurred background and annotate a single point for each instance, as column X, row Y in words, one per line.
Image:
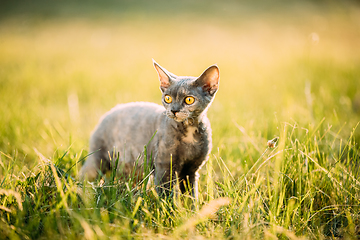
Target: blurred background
column 63, row 64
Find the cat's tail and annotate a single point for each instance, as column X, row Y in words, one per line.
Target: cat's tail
column 95, row 164
column 89, row 171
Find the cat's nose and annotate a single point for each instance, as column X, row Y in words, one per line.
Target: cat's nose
column 174, row 112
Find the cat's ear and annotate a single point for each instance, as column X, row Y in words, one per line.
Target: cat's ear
column 165, row 77
column 209, row 80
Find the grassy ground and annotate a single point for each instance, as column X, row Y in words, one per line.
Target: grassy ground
column 288, row 70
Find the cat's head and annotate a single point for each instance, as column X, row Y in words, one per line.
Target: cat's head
column 186, row 98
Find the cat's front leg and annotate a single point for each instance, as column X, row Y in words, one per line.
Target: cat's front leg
column 167, row 174
column 164, row 178
column 189, row 183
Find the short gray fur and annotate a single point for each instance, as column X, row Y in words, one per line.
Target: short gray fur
column 183, row 131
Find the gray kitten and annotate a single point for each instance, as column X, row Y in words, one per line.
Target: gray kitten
column 183, row 134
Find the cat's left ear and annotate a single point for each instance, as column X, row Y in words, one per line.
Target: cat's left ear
column 164, row 76
column 209, row 79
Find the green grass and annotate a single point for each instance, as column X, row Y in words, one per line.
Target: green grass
column 288, row 69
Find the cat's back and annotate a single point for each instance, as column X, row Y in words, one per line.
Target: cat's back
column 129, row 122
column 144, row 109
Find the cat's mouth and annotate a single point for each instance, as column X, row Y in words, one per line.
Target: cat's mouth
column 177, row 119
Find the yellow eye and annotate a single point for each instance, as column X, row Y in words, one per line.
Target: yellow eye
column 167, row 99
column 189, row 100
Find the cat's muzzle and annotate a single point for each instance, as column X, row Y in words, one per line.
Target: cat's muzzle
column 177, row 116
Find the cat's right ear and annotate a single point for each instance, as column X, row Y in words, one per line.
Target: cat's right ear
column 164, row 76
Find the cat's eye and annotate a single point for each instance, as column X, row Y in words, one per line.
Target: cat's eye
column 168, row 99
column 189, row 100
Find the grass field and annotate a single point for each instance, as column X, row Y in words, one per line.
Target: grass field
column 288, row 69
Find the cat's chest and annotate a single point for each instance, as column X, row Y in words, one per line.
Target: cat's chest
column 191, row 136
column 193, row 144
column 188, row 142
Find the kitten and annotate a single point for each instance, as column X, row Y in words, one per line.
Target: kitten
column 183, row 134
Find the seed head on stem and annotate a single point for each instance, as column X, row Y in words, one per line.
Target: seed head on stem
column 271, row 143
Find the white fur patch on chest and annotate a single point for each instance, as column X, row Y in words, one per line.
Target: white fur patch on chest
column 189, row 136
